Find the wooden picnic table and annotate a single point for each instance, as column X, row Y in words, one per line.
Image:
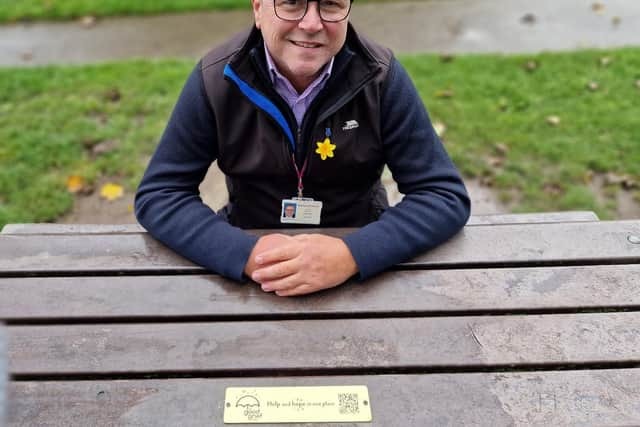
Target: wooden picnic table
column 517, row 320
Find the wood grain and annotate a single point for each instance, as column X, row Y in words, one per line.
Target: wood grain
column 390, row 294
column 521, row 244
column 584, row 398
column 306, row 346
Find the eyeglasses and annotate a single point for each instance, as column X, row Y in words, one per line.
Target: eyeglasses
column 295, row 10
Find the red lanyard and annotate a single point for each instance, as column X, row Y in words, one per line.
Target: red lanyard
column 300, row 173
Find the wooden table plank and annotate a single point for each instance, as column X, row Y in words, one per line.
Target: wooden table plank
column 323, row 345
column 392, row 293
column 509, row 218
column 584, row 398
column 533, row 218
column 4, row 375
column 589, row 242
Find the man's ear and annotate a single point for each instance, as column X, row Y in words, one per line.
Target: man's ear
column 257, row 6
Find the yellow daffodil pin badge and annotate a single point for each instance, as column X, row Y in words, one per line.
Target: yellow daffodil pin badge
column 325, row 148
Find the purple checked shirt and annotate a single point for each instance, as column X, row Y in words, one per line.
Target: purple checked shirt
column 299, row 103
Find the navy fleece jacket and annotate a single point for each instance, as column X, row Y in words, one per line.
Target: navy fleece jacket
column 435, row 206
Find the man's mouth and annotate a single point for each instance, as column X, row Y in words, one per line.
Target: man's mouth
column 306, row 45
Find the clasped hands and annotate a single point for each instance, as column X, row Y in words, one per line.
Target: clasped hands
column 302, row 264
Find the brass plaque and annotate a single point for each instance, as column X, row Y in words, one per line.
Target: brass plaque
column 332, row 404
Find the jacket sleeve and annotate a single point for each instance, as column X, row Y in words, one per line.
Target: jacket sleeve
column 436, row 204
column 168, row 202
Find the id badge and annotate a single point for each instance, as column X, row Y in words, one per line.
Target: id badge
column 300, row 210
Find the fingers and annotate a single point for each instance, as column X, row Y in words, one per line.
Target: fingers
column 276, row 255
column 264, row 244
column 298, row 290
column 275, row 271
column 283, row 285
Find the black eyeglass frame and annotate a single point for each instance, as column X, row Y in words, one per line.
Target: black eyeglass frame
column 306, row 9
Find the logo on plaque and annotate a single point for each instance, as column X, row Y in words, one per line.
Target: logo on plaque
column 251, row 407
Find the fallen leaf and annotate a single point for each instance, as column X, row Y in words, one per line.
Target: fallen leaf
column 605, row 61
column 528, row 18
column 26, row 56
column 104, row 147
column 531, row 65
column 615, row 21
column 553, row 120
column 75, row 183
column 630, row 184
column 88, row 21
column 587, row 178
column 495, row 161
column 111, row 191
column 89, row 141
column 486, row 181
column 501, row 148
column 625, row 181
column 638, row 84
column 593, row 86
column 113, row 95
column 597, row 7
column 447, row 57
column 445, row 93
column 552, row 189
column 503, row 104
column 130, row 208
column 440, row 128
column 613, row 178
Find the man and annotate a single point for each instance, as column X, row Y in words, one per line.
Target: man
column 290, row 210
column 301, row 109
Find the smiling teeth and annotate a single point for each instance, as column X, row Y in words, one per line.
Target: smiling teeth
column 309, row 45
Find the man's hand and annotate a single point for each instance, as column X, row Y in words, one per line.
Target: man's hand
column 264, row 244
column 301, row 264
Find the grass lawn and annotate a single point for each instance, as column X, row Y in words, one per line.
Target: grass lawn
column 14, row 10
column 105, row 120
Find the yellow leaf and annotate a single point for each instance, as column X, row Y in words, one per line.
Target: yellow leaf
column 75, row 183
column 553, row 120
column 605, row 61
column 111, row 191
column 598, row 7
column 445, row 93
column 440, row 128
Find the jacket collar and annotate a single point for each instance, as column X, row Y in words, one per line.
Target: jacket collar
column 353, row 53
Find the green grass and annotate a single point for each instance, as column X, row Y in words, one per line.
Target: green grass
column 497, row 103
column 52, row 117
column 15, row 10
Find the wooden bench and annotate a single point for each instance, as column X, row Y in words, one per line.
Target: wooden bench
column 505, row 324
column 3, row 375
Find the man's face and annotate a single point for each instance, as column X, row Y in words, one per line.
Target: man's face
column 301, row 48
column 289, row 211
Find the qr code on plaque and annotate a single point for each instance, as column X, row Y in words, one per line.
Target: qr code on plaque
column 348, row 403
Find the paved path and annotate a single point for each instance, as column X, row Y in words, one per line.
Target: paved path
column 422, row 26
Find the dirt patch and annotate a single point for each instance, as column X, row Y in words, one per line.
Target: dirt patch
column 483, row 200
column 92, row 209
column 626, row 201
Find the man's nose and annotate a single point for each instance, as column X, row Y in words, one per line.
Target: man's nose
column 311, row 21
